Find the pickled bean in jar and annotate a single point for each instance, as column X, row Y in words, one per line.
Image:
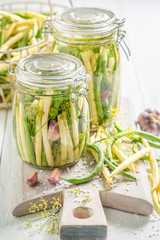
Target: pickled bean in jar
column 92, row 35
column 50, row 110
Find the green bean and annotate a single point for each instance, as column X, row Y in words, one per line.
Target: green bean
column 44, row 159
column 39, row 35
column 3, row 24
column 140, row 133
column 28, row 137
column 105, row 85
column 8, row 97
column 134, row 138
column 2, row 80
column 101, row 140
column 21, row 15
column 119, row 135
column 147, row 135
column 23, row 42
column 47, row 14
column 114, row 80
column 105, row 80
column 146, row 158
column 95, row 171
column 113, row 167
column 15, row 134
column 97, row 88
column 117, row 127
column 116, row 164
column 109, row 152
column 152, row 144
column 53, row 46
column 3, row 72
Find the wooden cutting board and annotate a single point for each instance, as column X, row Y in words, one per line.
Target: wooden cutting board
column 81, row 220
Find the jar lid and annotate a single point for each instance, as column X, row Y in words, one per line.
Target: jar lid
column 83, row 22
column 85, row 17
column 49, row 70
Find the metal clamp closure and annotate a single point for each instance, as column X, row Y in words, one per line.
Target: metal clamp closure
column 12, row 67
column 120, row 22
column 47, row 26
column 120, row 37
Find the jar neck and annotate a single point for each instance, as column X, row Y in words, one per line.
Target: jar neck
column 79, row 84
column 72, row 38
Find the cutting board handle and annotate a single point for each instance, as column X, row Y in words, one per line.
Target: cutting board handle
column 81, row 220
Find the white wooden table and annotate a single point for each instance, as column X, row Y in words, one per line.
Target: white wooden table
column 141, row 83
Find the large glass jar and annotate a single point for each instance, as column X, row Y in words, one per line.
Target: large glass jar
column 50, row 109
column 92, row 35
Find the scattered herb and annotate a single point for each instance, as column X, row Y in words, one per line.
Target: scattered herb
column 47, row 219
column 86, row 198
column 75, row 191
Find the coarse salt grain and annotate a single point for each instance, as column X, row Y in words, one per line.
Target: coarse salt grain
column 91, row 163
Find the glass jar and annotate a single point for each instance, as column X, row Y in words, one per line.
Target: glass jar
column 50, row 109
column 93, row 35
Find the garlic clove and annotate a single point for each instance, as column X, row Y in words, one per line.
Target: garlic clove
column 53, row 131
column 55, row 176
column 105, row 95
column 149, row 121
column 32, row 179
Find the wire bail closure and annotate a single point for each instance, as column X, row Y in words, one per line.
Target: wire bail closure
column 47, row 26
column 12, row 67
column 82, row 93
column 120, row 37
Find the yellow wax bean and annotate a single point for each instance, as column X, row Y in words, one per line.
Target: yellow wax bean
column 130, row 160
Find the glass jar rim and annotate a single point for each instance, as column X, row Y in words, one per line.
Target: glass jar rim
column 49, row 71
column 85, row 23
column 85, row 18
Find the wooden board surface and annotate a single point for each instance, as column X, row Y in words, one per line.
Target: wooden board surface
column 126, row 195
column 139, row 83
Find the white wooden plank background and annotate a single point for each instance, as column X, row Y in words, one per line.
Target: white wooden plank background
column 140, row 82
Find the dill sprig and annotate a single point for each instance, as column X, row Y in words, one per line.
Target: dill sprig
column 48, row 219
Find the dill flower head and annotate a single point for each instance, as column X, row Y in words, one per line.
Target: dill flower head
column 48, row 217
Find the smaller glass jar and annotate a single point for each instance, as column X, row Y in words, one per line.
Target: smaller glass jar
column 50, row 109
